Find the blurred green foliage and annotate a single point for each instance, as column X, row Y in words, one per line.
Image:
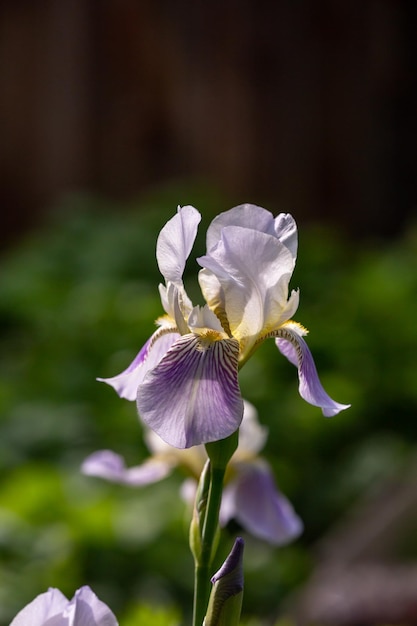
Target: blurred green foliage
column 77, row 300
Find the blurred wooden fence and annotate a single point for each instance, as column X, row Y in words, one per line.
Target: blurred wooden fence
column 309, row 105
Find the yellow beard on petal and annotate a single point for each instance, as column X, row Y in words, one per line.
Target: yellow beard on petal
column 268, row 334
column 220, row 313
column 290, row 324
column 208, row 336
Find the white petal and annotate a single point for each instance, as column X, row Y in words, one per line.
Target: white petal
column 254, row 270
column 188, row 490
column 245, row 215
column 286, row 230
column 213, row 293
column 175, row 242
column 252, row 436
column 202, row 318
column 191, row 460
column 176, row 304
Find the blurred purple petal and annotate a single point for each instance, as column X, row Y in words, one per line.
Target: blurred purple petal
column 188, row 490
column 253, row 499
column 44, row 607
column 111, row 466
column 126, row 384
column 85, row 609
column 192, row 396
column 252, row 436
column 292, row 345
column 53, row 609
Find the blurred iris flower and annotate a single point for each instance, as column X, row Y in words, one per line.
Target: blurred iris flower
column 185, row 378
column 53, row 609
column 250, row 495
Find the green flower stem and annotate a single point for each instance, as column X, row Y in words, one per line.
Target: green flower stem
column 208, row 536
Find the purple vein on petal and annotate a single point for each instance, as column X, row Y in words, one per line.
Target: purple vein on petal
column 192, row 396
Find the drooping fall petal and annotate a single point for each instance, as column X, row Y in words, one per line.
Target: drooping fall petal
column 253, row 499
column 126, row 384
column 111, row 466
column 292, row 345
column 192, row 396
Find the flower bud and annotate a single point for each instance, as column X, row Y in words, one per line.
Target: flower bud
column 226, row 595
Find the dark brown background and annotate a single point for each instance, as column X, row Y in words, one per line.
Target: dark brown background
column 308, row 106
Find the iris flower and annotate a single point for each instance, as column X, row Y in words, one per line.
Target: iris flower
column 53, row 609
column 185, row 378
column 250, row 495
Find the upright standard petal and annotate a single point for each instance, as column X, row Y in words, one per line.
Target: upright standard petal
column 192, row 396
column 175, row 242
column 286, row 231
column 253, row 499
column 254, row 270
column 292, row 345
column 213, row 293
column 245, row 215
column 126, row 384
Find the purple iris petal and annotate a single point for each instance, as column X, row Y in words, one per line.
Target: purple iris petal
column 192, row 396
column 293, row 346
column 126, row 384
column 88, row 610
column 52, row 608
column 45, row 606
column 253, row 499
column 111, row 466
